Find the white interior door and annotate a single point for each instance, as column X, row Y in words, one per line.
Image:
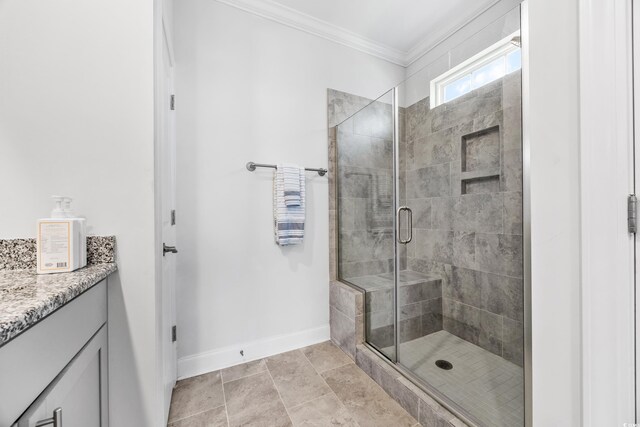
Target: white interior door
column 168, row 194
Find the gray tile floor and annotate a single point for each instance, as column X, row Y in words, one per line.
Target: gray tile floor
column 487, row 386
column 314, row 386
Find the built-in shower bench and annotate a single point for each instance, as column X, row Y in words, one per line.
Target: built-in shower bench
column 419, row 301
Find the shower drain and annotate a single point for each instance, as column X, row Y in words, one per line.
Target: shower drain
column 443, row 364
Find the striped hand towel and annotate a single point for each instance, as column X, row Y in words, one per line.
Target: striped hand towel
column 291, row 184
column 288, row 221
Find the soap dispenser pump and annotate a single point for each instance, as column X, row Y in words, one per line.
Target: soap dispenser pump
column 58, row 210
column 61, row 240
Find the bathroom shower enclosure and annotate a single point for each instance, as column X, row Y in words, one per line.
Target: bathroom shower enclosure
column 429, row 187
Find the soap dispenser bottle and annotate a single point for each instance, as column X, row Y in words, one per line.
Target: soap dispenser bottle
column 61, row 240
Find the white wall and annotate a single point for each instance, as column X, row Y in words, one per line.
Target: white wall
column 552, row 124
column 76, row 118
column 251, row 89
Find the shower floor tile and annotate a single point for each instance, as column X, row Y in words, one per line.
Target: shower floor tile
column 487, row 386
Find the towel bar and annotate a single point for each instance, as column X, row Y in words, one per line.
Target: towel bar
column 251, row 166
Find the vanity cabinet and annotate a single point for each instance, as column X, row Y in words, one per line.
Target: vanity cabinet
column 78, row 395
column 57, row 370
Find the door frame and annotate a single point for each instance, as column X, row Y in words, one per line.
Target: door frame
column 606, row 178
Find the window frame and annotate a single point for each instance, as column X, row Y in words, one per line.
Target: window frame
column 502, row 48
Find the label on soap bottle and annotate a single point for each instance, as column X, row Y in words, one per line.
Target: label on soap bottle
column 54, row 245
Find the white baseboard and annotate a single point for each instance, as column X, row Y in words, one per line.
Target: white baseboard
column 201, row 363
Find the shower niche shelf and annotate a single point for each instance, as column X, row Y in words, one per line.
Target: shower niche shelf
column 480, row 161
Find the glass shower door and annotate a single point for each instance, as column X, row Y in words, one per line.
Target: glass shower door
column 430, row 224
column 460, row 288
column 366, row 188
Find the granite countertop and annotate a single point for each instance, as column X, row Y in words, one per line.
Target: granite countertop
column 27, row 297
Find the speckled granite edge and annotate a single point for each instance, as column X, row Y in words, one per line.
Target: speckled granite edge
column 19, row 254
column 26, row 297
column 101, row 249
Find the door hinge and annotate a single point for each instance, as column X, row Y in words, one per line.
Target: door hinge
column 174, row 333
column 632, row 213
column 172, row 102
column 173, row 217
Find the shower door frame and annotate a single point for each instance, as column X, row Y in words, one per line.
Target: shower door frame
column 396, row 220
column 526, row 217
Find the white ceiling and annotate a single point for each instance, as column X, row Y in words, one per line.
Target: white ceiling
column 402, row 25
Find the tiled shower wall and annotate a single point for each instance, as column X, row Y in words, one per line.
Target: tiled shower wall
column 463, row 181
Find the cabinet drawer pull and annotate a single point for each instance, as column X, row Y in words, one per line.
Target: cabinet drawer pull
column 56, row 420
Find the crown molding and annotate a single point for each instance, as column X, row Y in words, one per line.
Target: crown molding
column 295, row 19
column 301, row 21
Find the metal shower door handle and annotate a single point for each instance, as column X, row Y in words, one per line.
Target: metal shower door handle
column 409, row 236
column 410, row 212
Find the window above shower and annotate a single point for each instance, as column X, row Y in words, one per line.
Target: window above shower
column 493, row 63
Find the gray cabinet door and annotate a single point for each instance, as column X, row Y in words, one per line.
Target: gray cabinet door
column 80, row 391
